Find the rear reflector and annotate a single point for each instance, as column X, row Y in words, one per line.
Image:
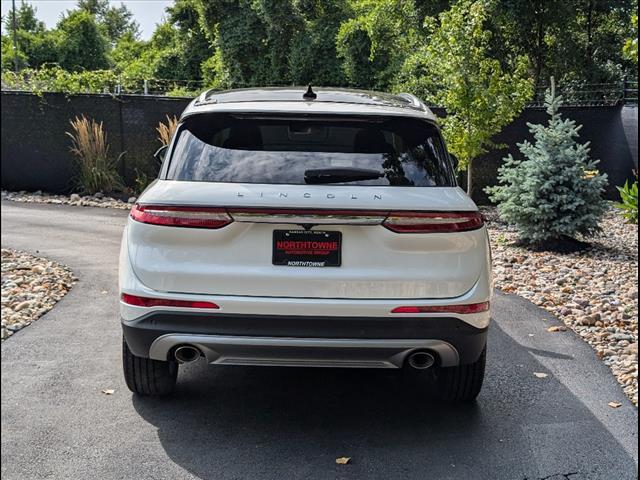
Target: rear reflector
column 163, row 302
column 433, row 222
column 460, row 309
column 193, row 217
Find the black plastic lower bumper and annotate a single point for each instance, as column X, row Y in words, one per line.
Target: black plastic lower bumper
column 466, row 339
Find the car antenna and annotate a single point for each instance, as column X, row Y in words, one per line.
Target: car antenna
column 310, row 94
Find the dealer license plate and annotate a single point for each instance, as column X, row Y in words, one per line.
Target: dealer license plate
column 307, row 248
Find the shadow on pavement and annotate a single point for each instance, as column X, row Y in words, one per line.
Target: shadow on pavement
column 290, row 423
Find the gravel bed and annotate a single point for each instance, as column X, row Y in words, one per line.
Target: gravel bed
column 594, row 292
column 31, row 286
column 97, row 200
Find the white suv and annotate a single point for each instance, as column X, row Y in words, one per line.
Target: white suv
column 299, row 228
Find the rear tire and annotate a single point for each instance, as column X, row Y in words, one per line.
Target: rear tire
column 145, row 376
column 463, row 382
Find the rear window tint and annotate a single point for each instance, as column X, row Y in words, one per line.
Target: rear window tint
column 279, row 150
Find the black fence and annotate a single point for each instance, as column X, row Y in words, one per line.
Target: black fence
column 591, row 94
column 611, row 130
column 35, row 149
column 574, row 93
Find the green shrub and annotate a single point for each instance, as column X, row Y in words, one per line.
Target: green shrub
column 555, row 192
column 96, row 172
column 178, row 91
column 629, row 204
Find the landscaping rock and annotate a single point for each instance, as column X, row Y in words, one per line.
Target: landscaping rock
column 97, row 200
column 31, row 286
column 594, row 291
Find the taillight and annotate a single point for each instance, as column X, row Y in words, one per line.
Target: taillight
column 193, row 217
column 163, row 302
column 460, row 309
column 433, row 222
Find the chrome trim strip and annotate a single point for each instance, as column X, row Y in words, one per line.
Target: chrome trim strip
column 317, row 352
column 311, row 219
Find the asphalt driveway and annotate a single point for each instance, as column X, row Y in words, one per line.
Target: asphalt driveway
column 275, row 423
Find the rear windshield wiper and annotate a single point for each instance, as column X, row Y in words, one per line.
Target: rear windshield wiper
column 340, row 175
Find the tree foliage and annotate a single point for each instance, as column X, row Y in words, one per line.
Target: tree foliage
column 240, row 40
column 272, row 42
column 313, row 56
column 555, row 190
column 36, row 45
column 115, row 21
column 80, row 44
column 630, row 50
column 359, row 43
column 176, row 51
column 454, row 69
column 26, row 19
column 375, row 41
column 36, row 49
column 576, row 41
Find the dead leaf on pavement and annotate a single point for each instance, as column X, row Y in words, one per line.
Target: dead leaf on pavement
column 557, row 328
column 540, row 375
column 343, row 460
column 108, row 391
column 615, row 404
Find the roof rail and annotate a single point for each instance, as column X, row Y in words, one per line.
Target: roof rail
column 203, row 98
column 415, row 101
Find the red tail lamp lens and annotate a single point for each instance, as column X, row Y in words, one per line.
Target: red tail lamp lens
column 433, row 222
column 193, row 217
column 460, row 309
column 162, row 302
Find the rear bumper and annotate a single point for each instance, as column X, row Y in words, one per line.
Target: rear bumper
column 379, row 342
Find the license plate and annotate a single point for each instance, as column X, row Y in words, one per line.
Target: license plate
column 302, row 248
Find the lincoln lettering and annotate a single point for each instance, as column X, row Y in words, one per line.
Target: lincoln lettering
column 330, row 196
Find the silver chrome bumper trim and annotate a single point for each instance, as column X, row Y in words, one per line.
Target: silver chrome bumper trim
column 303, row 352
column 297, row 219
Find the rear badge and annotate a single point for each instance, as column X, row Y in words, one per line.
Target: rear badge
column 302, row 248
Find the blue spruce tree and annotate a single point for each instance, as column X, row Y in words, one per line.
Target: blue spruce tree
column 555, row 192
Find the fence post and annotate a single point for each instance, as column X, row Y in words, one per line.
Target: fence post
column 123, row 153
column 146, row 87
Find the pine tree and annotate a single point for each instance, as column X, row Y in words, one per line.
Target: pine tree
column 555, row 192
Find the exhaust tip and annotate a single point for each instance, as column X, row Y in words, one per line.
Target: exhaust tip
column 421, row 360
column 186, row 354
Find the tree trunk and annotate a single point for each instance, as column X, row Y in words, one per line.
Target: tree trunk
column 589, row 49
column 470, row 179
column 539, row 52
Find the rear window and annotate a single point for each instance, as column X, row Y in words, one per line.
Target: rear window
column 283, row 150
